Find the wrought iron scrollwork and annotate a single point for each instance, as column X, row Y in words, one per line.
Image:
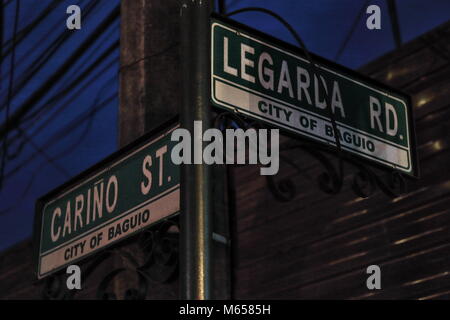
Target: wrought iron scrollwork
column 364, row 181
column 152, row 260
column 54, row 288
column 161, row 263
column 330, row 180
column 159, row 247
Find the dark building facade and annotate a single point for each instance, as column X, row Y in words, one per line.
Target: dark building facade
column 318, row 246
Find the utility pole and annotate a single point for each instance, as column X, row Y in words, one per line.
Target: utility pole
column 196, row 185
column 150, row 66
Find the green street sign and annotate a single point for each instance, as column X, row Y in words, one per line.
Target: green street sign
column 266, row 79
column 127, row 192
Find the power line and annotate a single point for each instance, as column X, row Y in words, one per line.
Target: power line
column 350, row 33
column 394, row 22
column 6, row 3
column 41, row 152
column 57, row 136
column 9, row 98
column 75, row 81
column 8, row 103
column 56, row 76
column 43, row 58
column 63, row 93
column 25, row 31
column 222, row 7
column 2, row 22
column 60, row 95
column 106, row 38
column 36, row 48
column 67, row 151
column 46, row 123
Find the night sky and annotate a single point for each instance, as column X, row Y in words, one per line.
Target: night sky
column 74, row 124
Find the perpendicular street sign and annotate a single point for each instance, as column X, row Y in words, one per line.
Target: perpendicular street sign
column 266, row 79
column 127, row 192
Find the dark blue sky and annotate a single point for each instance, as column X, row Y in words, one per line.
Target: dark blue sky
column 76, row 125
column 324, row 24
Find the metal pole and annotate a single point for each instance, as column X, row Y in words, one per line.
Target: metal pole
column 196, row 185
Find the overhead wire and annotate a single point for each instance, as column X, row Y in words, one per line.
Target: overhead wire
column 7, row 122
column 31, row 101
column 62, row 94
column 8, row 104
column 60, row 134
column 25, row 31
column 2, row 22
column 67, row 151
column 72, row 80
column 73, row 84
column 351, row 31
column 43, row 58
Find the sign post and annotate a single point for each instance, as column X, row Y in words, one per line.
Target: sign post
column 127, row 192
column 196, row 185
column 269, row 80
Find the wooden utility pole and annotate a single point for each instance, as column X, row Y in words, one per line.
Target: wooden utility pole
column 150, row 78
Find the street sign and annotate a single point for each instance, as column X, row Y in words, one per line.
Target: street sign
column 127, row 192
column 272, row 81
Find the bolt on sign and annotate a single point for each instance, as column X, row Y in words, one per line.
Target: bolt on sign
column 127, row 192
column 266, row 79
